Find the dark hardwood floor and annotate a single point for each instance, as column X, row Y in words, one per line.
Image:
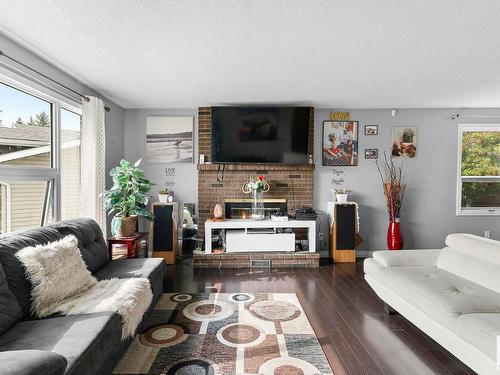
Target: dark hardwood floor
column 347, row 316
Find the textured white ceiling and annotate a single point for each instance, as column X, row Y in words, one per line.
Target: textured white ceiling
column 349, row 53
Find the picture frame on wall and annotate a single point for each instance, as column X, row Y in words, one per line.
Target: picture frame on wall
column 371, row 129
column 404, row 141
column 340, row 143
column 169, row 139
column 371, row 153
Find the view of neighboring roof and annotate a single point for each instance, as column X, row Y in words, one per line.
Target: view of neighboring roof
column 32, row 136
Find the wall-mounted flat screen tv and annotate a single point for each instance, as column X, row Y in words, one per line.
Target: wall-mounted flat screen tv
column 260, row 135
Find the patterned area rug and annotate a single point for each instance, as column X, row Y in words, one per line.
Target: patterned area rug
column 223, row 333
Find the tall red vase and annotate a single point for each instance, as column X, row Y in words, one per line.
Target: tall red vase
column 394, row 236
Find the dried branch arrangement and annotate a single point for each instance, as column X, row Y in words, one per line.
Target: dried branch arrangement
column 393, row 184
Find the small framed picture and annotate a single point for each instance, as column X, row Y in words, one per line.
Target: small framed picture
column 371, row 129
column 371, row 153
column 404, row 141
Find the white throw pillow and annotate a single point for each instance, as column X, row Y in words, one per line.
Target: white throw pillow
column 57, row 272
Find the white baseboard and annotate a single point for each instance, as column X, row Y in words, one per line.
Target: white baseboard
column 364, row 253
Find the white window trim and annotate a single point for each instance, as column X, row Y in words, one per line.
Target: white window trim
column 489, row 211
column 5, row 196
column 52, row 174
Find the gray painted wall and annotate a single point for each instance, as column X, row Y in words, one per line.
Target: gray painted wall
column 186, row 175
column 114, row 118
column 430, row 203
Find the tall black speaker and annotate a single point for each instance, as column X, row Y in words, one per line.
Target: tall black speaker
column 343, row 233
column 164, row 231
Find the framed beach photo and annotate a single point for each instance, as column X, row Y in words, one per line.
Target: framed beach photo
column 371, row 129
column 169, row 139
column 371, row 153
column 404, row 141
column 340, row 143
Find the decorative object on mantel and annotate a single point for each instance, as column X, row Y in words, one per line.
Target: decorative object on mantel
column 127, row 198
column 340, row 143
column 256, row 186
column 394, row 188
column 404, row 141
column 217, row 211
column 279, row 216
column 165, row 196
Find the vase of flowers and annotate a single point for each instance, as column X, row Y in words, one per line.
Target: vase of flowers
column 257, row 186
column 394, row 188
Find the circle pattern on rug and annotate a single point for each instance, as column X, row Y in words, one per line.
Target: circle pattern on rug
column 191, row 367
column 239, row 335
column 274, row 311
column 208, row 310
column 288, row 370
column 241, row 297
column 182, row 297
column 163, row 335
column 287, row 365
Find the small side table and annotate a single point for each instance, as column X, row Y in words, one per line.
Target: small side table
column 137, row 245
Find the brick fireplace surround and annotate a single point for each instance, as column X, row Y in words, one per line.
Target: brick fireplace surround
column 293, row 182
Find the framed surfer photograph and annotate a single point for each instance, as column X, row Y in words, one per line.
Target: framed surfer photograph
column 404, row 141
column 169, row 139
column 340, row 143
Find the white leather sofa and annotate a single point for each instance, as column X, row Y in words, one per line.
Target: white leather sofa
column 452, row 294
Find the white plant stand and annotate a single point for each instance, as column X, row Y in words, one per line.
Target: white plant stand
column 244, row 225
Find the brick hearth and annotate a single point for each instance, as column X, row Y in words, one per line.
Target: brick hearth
column 244, row 260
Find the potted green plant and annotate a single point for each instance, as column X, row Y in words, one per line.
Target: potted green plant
column 127, row 198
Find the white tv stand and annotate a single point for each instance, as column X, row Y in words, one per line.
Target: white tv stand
column 245, row 237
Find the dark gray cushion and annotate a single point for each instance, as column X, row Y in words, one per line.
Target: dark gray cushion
column 14, row 270
column 10, row 310
column 152, row 268
column 87, row 341
column 31, row 362
column 90, row 241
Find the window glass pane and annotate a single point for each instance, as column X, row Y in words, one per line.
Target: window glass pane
column 21, row 204
column 25, row 128
column 481, row 153
column 70, row 164
column 480, row 194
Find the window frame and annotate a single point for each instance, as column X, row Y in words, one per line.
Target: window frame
column 478, row 211
column 19, row 81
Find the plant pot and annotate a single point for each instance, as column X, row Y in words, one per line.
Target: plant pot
column 128, row 226
column 163, row 198
column 342, row 198
column 394, row 236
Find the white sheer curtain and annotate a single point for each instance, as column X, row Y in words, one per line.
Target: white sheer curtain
column 93, row 150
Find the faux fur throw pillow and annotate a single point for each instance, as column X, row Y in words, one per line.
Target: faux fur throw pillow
column 57, row 272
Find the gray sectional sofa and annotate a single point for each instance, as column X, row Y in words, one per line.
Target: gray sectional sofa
column 86, row 344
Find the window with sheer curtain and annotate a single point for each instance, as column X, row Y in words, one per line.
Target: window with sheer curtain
column 39, row 157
